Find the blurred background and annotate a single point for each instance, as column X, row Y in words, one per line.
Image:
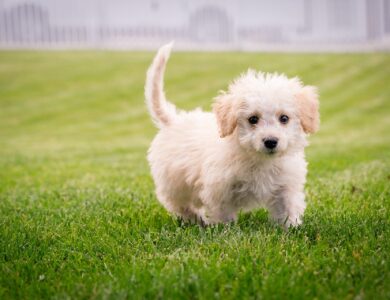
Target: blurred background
column 248, row 25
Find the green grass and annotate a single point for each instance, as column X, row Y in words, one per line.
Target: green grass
column 78, row 214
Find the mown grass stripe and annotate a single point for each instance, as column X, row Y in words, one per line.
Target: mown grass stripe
column 78, row 214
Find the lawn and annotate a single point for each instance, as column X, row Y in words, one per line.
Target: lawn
column 78, row 213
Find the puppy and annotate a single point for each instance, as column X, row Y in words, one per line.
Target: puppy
column 247, row 154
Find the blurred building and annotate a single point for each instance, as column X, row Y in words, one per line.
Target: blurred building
column 198, row 24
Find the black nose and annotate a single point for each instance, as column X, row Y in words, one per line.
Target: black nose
column 270, row 143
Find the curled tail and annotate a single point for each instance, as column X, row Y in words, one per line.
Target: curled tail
column 162, row 112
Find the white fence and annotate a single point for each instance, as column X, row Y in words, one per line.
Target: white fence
column 201, row 24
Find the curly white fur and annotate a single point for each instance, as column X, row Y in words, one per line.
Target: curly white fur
column 207, row 167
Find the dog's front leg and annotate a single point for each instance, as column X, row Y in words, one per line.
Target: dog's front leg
column 215, row 213
column 287, row 208
column 217, row 205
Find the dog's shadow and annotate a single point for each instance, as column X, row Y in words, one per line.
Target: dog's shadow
column 177, row 234
column 252, row 221
column 318, row 227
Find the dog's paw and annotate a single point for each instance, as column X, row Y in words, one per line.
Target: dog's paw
column 293, row 221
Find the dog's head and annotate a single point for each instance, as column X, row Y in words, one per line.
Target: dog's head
column 269, row 113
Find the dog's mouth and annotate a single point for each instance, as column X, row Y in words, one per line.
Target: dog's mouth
column 271, row 151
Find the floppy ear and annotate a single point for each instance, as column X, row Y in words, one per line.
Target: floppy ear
column 224, row 109
column 308, row 109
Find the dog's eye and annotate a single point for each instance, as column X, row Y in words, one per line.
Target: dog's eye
column 253, row 120
column 284, row 119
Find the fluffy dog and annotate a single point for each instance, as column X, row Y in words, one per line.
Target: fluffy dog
column 248, row 153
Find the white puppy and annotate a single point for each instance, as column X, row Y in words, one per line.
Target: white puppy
column 249, row 153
